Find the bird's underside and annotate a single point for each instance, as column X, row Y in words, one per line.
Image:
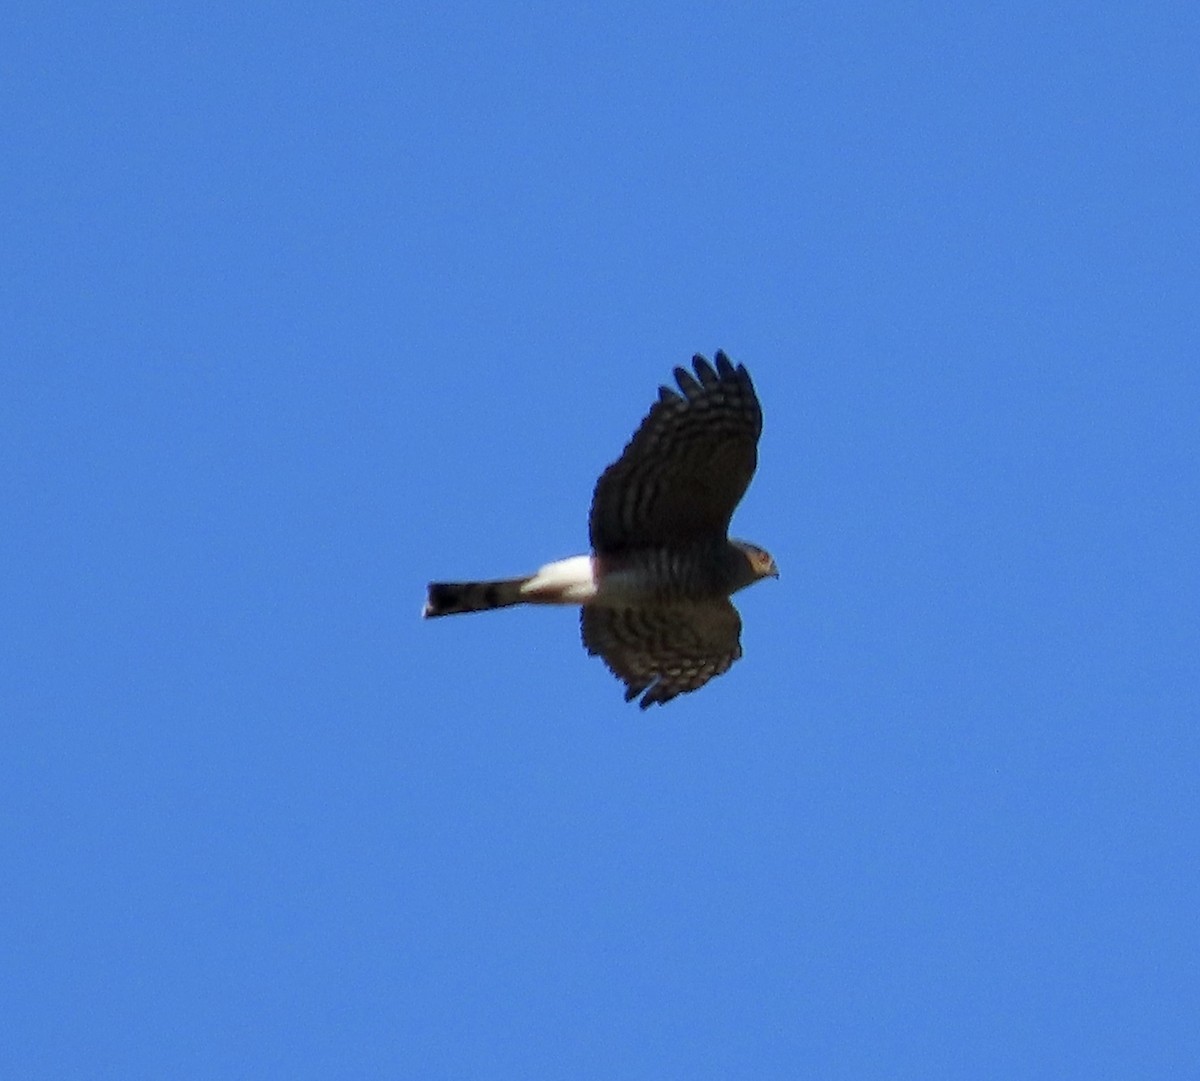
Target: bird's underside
column 655, row 589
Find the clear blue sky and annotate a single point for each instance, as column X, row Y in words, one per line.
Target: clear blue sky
column 304, row 305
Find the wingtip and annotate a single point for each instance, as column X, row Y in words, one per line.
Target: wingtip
column 687, row 382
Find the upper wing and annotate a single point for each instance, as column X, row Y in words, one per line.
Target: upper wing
column 664, row 650
column 687, row 465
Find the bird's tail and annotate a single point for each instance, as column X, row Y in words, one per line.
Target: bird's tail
column 449, row 598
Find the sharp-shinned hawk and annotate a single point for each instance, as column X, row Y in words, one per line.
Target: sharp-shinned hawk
column 655, row 589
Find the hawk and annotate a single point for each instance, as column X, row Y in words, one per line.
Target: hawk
column 655, row 589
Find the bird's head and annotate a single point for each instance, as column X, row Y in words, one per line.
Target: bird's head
column 759, row 563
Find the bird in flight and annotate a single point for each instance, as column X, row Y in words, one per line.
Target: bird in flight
column 654, row 592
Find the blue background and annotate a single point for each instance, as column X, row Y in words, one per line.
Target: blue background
column 304, row 305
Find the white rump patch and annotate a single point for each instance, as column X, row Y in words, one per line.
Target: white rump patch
column 568, row 581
